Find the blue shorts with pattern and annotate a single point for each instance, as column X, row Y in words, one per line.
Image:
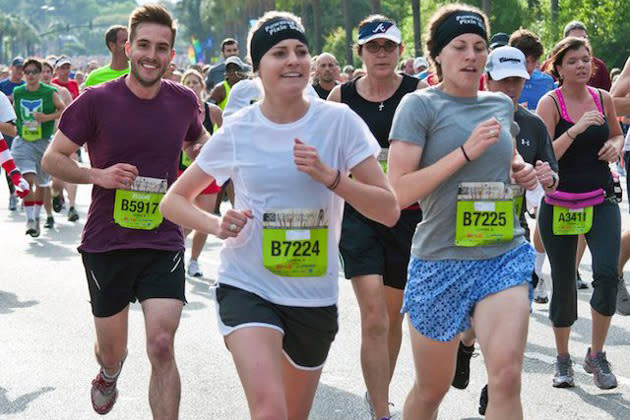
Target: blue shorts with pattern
column 440, row 296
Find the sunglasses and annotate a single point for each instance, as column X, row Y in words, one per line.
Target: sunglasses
column 31, row 72
column 374, row 47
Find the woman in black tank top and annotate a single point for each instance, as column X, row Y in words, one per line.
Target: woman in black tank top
column 583, row 123
column 376, row 257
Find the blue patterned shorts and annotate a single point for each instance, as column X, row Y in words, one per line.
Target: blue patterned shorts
column 440, row 296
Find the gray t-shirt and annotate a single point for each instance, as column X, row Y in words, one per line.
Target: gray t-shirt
column 440, row 123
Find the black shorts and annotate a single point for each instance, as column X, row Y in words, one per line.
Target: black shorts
column 368, row 247
column 308, row 332
column 118, row 277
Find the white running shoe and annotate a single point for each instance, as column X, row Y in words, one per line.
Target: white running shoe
column 540, row 292
column 193, row 269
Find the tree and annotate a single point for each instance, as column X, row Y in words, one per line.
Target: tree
column 347, row 24
column 376, row 6
column 317, row 25
column 417, row 30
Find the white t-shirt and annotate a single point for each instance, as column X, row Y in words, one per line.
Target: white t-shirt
column 257, row 155
column 7, row 113
column 249, row 91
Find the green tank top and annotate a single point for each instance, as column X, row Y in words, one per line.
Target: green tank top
column 27, row 103
column 227, row 94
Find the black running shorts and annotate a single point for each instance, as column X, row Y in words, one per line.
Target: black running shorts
column 308, row 332
column 118, row 277
column 368, row 247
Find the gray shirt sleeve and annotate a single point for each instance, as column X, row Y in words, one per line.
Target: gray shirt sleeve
column 411, row 120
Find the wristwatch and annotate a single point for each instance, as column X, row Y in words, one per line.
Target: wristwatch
column 555, row 178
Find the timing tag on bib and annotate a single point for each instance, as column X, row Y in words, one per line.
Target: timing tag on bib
column 518, row 193
column 139, row 206
column 31, row 130
column 382, row 158
column 295, row 242
column 485, row 214
column 572, row 221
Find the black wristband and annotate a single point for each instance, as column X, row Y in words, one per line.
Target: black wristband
column 569, row 135
column 465, row 154
column 335, row 182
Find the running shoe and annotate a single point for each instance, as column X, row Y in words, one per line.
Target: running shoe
column 599, row 366
column 563, row 377
column 483, row 400
column 12, row 202
column 50, row 222
column 462, row 369
column 30, row 228
column 193, row 269
column 540, row 292
column 57, row 203
column 104, row 391
column 581, row 284
column 73, row 215
column 623, row 298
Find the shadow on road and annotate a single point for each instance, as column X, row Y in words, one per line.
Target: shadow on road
column 20, row 403
column 9, row 302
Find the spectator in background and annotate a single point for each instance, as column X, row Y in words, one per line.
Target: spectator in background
column 216, row 74
column 115, row 39
column 406, row 66
column 539, row 83
column 421, row 67
column 348, row 73
column 326, row 74
column 16, row 76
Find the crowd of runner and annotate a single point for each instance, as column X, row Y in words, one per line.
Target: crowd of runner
column 421, row 175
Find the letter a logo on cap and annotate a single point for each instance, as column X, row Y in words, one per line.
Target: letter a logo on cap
column 380, row 28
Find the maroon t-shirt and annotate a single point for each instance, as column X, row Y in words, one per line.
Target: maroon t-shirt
column 119, row 127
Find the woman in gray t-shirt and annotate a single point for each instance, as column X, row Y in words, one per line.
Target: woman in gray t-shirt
column 452, row 151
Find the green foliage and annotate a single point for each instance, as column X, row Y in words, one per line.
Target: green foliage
column 335, row 43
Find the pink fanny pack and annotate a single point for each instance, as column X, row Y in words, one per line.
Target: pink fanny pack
column 576, row 200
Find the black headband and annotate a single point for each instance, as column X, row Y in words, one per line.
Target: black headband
column 274, row 31
column 456, row 24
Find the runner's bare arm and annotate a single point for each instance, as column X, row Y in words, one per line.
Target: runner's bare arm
column 621, row 91
column 192, row 148
column 8, row 128
column 57, row 162
column 177, row 206
column 216, row 115
column 59, row 106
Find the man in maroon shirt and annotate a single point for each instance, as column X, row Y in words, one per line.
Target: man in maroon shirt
column 62, row 68
column 600, row 77
column 135, row 127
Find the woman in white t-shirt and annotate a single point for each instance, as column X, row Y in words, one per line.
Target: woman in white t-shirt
column 288, row 156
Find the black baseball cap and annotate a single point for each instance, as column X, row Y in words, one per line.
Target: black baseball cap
column 500, row 39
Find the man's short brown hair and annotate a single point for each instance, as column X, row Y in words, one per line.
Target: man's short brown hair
column 527, row 41
column 32, row 61
column 111, row 35
column 151, row 13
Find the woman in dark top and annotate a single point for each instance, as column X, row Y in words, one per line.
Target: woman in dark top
column 211, row 115
column 375, row 257
column 583, row 123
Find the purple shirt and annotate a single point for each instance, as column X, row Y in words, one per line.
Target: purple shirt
column 119, row 127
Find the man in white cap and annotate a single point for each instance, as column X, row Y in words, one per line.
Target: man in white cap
column 235, row 71
column 421, row 67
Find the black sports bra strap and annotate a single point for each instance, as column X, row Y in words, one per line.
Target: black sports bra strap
column 556, row 104
column 601, row 100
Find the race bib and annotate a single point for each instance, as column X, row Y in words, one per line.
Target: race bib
column 518, row 193
column 31, row 130
column 572, row 221
column 295, row 242
column 139, row 206
column 485, row 214
column 382, row 158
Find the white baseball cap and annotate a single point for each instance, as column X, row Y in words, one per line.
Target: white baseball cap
column 379, row 29
column 506, row 62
